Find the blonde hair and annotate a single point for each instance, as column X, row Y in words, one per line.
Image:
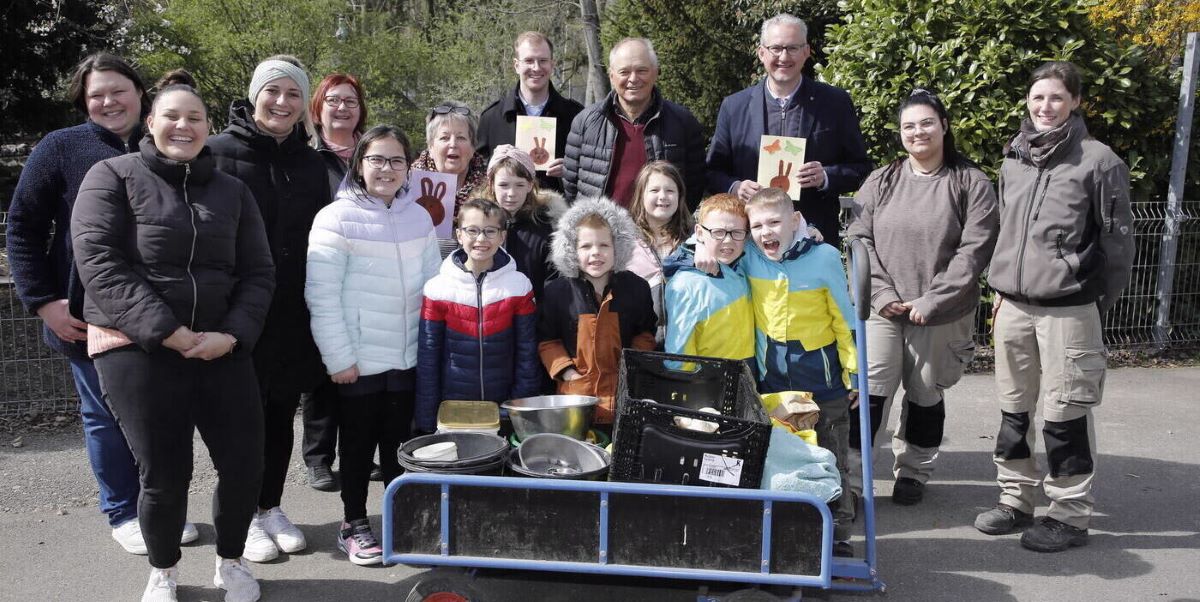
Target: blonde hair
column 679, row 227
column 534, row 202
column 770, row 197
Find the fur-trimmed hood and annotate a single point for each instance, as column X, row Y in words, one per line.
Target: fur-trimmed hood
column 552, row 205
column 566, row 235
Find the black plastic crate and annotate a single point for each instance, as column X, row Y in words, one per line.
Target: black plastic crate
column 649, row 447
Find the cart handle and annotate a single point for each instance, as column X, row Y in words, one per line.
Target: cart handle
column 860, row 273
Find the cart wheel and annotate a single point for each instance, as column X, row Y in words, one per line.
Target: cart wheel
column 444, row 588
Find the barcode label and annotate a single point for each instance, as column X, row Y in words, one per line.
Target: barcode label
column 721, row 469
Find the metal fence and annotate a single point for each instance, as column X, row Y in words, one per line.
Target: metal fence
column 32, row 377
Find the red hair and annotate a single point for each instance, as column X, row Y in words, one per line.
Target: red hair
column 330, row 81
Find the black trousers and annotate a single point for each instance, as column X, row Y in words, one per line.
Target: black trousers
column 320, row 424
column 160, row 399
column 382, row 419
column 279, row 419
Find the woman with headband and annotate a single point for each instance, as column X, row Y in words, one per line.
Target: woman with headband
column 266, row 145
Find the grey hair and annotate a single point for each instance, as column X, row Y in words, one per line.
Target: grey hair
column 644, row 41
column 782, row 19
column 566, row 234
column 435, row 121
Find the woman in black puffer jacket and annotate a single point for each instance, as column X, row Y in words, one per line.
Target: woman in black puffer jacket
column 266, row 146
column 178, row 281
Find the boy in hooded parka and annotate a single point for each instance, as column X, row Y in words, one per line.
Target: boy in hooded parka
column 597, row 307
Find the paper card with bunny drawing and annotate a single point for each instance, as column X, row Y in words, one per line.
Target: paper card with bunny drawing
column 535, row 135
column 779, row 161
column 435, row 192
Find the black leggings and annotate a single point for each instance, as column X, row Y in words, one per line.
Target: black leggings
column 365, row 421
column 320, row 424
column 159, row 400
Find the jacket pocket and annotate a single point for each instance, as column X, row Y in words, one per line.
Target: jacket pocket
column 1083, row 376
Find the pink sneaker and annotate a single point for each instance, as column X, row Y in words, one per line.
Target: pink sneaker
column 358, row 542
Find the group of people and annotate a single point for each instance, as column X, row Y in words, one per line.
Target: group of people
column 217, row 284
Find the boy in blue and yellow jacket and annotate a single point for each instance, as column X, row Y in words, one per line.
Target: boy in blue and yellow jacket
column 802, row 335
column 710, row 314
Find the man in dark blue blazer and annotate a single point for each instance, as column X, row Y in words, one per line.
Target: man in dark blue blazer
column 787, row 104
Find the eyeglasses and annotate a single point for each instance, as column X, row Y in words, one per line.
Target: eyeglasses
column 488, row 233
column 791, row 50
column 333, row 101
column 721, row 233
column 378, row 161
column 457, row 110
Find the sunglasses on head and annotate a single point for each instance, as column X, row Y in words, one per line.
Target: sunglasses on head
column 446, row 109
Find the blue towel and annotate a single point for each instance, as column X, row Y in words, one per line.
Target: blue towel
column 794, row 465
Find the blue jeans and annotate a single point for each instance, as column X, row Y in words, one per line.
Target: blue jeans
column 112, row 462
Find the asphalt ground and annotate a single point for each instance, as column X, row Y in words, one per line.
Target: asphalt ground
column 1144, row 545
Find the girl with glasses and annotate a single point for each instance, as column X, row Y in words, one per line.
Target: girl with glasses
column 369, row 255
column 478, row 335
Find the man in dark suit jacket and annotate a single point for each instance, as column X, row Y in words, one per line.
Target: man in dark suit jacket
column 534, row 94
column 787, row 104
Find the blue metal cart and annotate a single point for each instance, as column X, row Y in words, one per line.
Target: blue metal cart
column 750, row 536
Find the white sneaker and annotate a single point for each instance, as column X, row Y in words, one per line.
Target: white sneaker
column 161, row 586
column 259, row 546
column 286, row 536
column 189, row 534
column 235, row 578
column 129, row 535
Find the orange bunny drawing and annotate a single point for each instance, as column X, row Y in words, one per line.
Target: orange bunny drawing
column 431, row 199
column 539, row 154
column 781, row 181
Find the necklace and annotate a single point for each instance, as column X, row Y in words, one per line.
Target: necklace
column 922, row 172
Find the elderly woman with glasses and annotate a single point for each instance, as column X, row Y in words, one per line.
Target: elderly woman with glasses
column 450, row 148
column 929, row 221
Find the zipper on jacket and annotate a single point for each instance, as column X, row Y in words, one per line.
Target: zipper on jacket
column 479, row 311
column 187, row 171
column 1025, row 239
column 825, row 360
column 1058, row 249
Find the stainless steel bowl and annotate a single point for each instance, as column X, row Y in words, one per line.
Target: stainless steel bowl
column 550, row 455
column 569, row 415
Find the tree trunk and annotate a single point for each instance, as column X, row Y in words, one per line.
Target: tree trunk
column 597, row 80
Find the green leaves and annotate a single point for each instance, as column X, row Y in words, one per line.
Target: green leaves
column 978, row 54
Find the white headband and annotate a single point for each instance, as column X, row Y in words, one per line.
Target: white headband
column 269, row 71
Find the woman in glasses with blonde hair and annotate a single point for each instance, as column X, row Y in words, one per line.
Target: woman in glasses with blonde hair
column 450, row 148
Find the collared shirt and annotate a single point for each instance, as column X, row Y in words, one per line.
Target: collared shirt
column 784, row 101
column 531, row 109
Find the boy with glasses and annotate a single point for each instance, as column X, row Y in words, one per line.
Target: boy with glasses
column 710, row 315
column 478, row 334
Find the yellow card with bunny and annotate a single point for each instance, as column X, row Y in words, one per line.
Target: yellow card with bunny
column 779, row 161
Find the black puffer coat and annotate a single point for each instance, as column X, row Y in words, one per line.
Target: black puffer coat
column 160, row 244
column 290, row 182
column 672, row 134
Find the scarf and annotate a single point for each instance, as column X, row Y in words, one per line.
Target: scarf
column 1041, row 146
column 343, row 152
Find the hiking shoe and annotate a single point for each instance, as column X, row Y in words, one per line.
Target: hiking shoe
column 189, row 534
column 235, row 578
column 286, row 536
column 161, row 586
column 129, row 535
column 376, row 473
column 356, row 540
column 259, row 546
column 907, row 492
column 843, row 549
column 320, row 477
column 1051, row 535
column 1002, row 520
